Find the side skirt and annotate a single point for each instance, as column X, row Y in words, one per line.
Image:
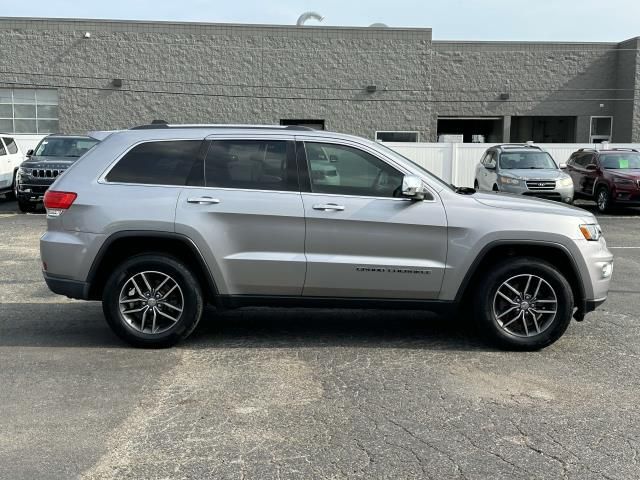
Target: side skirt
column 239, row 301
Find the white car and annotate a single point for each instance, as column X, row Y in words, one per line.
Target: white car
column 10, row 159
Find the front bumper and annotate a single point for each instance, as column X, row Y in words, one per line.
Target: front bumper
column 560, row 194
column 32, row 190
column 599, row 264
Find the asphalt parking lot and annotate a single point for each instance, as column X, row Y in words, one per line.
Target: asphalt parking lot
column 261, row 394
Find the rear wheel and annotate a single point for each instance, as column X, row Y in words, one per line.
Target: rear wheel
column 603, row 199
column 524, row 304
column 152, row 301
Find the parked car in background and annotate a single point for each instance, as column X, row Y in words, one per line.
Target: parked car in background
column 523, row 169
column 10, row 159
column 610, row 177
column 51, row 157
column 158, row 221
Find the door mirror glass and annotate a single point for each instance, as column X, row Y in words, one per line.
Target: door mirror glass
column 413, row 187
column 29, row 152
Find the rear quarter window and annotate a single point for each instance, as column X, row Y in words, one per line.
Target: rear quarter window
column 11, row 145
column 176, row 162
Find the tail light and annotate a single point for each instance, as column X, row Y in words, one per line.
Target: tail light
column 58, row 202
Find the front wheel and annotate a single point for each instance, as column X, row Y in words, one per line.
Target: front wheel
column 524, row 304
column 152, row 301
column 603, row 200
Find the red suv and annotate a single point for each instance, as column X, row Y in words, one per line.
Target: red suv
column 609, row 177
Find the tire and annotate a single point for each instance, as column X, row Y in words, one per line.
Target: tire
column 495, row 188
column 603, row 200
column 177, row 283
column 527, row 335
column 26, row 207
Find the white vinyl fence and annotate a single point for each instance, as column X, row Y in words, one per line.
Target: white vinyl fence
column 456, row 162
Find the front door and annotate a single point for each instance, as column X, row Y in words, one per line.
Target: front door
column 363, row 238
column 248, row 216
column 6, row 168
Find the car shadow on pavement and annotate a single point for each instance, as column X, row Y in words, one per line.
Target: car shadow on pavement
column 81, row 324
column 279, row 327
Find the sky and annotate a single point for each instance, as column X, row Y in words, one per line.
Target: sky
column 534, row 20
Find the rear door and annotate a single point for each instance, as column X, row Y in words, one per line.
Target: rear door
column 363, row 238
column 248, row 217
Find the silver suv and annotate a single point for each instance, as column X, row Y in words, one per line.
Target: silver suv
column 523, row 169
column 160, row 220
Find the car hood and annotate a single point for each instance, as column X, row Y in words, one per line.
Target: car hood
column 535, row 174
column 531, row 204
column 49, row 162
column 631, row 174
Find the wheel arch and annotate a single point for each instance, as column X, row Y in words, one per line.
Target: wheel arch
column 556, row 254
column 123, row 245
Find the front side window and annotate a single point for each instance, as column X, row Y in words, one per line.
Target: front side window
column 252, row 164
column 64, row 147
column 343, row 170
column 160, row 163
column 11, row 145
column 526, row 160
column 620, row 161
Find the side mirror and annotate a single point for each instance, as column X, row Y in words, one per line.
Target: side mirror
column 563, row 166
column 592, row 167
column 413, row 187
column 490, row 166
column 29, row 152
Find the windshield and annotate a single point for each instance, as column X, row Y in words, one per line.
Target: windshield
column 64, row 147
column 399, row 157
column 620, row 161
column 526, row 160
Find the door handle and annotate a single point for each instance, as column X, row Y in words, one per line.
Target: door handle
column 203, row 200
column 328, row 206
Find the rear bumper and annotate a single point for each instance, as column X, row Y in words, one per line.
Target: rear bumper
column 66, row 287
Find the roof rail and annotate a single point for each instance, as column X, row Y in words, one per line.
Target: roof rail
column 624, row 149
column 587, row 150
column 518, row 145
column 158, row 126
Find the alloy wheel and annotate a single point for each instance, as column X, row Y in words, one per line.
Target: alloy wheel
column 151, row 302
column 603, row 200
column 525, row 305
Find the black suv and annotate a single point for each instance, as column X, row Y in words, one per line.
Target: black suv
column 53, row 155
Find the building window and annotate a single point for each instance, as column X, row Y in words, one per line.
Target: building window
column 397, row 136
column 601, row 128
column 28, row 111
column 315, row 124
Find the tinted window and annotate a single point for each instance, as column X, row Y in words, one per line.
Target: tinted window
column 64, row 147
column 2, row 150
column 160, row 163
column 11, row 145
column 252, row 164
column 344, row 170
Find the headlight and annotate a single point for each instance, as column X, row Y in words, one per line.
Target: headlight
column 591, row 232
column 565, row 182
column 509, row 180
column 25, row 171
column 623, row 182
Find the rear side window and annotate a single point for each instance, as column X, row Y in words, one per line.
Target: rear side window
column 11, row 145
column 161, row 163
column 2, row 149
column 252, row 164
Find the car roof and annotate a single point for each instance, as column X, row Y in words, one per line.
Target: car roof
column 62, row 135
